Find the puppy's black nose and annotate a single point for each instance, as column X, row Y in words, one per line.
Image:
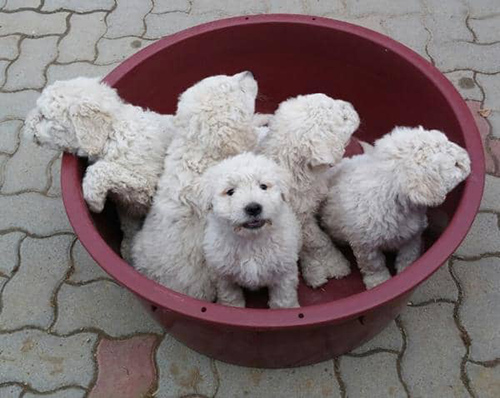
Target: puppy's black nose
column 253, row 209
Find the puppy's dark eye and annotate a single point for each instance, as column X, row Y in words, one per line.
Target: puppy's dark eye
column 230, row 192
column 263, row 187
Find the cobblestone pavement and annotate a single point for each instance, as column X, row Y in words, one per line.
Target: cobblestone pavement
column 75, row 333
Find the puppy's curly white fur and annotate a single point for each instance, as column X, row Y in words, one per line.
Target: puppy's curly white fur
column 214, row 121
column 378, row 200
column 308, row 135
column 125, row 144
column 252, row 238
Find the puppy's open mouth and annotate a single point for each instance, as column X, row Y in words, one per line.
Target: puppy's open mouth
column 255, row 224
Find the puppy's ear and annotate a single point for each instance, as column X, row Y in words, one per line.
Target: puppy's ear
column 206, row 190
column 323, row 158
column 92, row 126
column 422, row 182
column 284, row 182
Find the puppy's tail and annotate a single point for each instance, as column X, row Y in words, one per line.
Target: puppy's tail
column 367, row 148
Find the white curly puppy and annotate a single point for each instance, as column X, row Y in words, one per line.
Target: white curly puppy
column 252, row 238
column 378, row 199
column 125, row 144
column 308, row 135
column 214, row 121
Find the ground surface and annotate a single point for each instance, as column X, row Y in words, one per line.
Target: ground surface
column 67, row 330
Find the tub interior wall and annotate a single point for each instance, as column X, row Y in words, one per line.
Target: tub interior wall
column 385, row 93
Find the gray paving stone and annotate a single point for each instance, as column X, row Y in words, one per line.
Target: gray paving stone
column 3, row 281
column 102, row 305
column 480, row 281
column 3, row 160
column 486, row 30
column 27, row 72
column 9, row 247
column 55, row 172
column 17, row 105
column 183, row 371
column 483, row 237
column 116, row 50
column 32, row 24
column 159, row 25
column 33, row 212
column 463, row 80
column 445, row 25
column 390, row 339
column 373, row 22
column 78, row 5
column 9, row 136
column 3, row 68
column 8, row 47
column 409, row 30
column 491, row 196
column 309, row 381
column 64, row 72
column 372, row 376
column 431, row 363
column 127, row 18
column 319, row 7
column 85, row 268
column 486, row 381
column 161, row 6
column 491, row 87
column 438, row 286
column 286, row 6
column 12, row 391
column 228, row 7
column 47, row 362
column 79, row 44
column 482, row 8
column 71, row 392
column 44, row 264
column 365, row 7
column 494, row 120
column 463, row 55
column 27, row 168
column 16, row 4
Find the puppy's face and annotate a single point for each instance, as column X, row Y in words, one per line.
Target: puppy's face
column 73, row 116
column 429, row 165
column 317, row 129
column 51, row 127
column 247, row 192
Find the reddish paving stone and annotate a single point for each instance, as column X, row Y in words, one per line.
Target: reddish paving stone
column 126, row 368
column 495, row 151
column 491, row 145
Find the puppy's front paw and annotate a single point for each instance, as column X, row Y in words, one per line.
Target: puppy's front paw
column 95, row 203
column 293, row 303
column 376, row 279
column 232, row 302
column 337, row 265
column 313, row 272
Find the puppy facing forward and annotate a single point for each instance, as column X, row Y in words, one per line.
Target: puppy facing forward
column 308, row 135
column 252, row 237
column 215, row 121
column 378, row 200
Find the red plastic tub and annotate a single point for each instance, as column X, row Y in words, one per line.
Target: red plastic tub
column 289, row 54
